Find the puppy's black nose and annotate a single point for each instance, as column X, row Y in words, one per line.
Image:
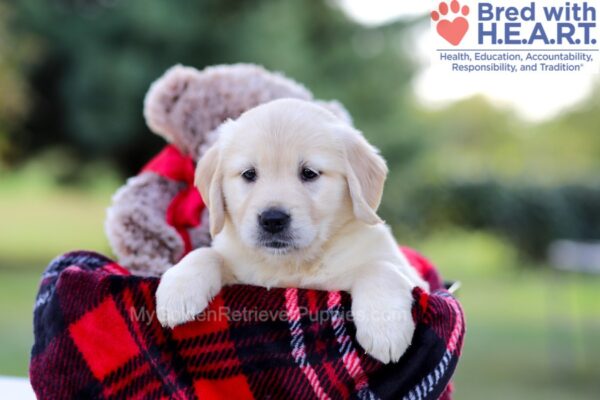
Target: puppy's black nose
column 274, row 220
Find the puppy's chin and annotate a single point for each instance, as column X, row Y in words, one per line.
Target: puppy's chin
column 291, row 242
column 276, row 246
column 282, row 245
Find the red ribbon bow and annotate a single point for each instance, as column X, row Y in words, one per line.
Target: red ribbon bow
column 186, row 207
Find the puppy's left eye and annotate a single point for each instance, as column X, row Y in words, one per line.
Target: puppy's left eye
column 308, row 174
column 249, row 175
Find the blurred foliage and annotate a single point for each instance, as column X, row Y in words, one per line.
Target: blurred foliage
column 530, row 217
column 15, row 52
column 77, row 71
column 482, row 167
column 99, row 58
column 473, row 140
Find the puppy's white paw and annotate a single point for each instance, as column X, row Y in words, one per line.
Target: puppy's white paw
column 179, row 300
column 384, row 330
column 185, row 290
column 382, row 311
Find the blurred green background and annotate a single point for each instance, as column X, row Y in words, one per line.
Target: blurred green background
column 480, row 191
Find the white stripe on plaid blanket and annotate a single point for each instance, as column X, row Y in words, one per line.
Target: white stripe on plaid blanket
column 430, row 381
column 349, row 356
column 298, row 347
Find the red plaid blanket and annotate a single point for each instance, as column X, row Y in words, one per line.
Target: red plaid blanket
column 96, row 336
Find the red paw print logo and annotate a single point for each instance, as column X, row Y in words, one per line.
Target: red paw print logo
column 451, row 30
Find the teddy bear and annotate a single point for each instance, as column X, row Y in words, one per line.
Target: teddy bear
column 158, row 216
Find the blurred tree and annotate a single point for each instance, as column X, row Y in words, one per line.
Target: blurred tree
column 15, row 51
column 100, row 57
column 529, row 216
column 473, row 140
column 482, row 167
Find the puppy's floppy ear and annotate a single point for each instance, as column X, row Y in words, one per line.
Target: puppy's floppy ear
column 209, row 180
column 365, row 172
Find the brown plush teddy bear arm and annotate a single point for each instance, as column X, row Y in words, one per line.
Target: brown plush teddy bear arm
column 136, row 227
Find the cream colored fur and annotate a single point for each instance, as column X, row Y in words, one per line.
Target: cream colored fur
column 186, row 106
column 338, row 241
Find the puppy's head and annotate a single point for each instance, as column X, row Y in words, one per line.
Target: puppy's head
column 287, row 174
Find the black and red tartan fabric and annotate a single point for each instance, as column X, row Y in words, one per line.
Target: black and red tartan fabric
column 96, row 336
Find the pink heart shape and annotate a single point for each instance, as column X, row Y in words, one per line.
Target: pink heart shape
column 453, row 31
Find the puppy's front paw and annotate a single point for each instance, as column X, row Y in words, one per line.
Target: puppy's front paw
column 384, row 326
column 179, row 301
column 185, row 291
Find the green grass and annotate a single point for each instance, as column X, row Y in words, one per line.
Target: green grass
column 532, row 333
column 39, row 221
column 17, row 294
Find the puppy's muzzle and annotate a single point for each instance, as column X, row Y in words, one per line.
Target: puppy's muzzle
column 274, row 220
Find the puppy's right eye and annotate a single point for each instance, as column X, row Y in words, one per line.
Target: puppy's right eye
column 308, row 174
column 249, row 175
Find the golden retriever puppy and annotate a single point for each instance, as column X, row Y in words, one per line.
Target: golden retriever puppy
column 292, row 192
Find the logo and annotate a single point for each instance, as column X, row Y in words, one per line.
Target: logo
column 516, row 36
column 453, row 30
